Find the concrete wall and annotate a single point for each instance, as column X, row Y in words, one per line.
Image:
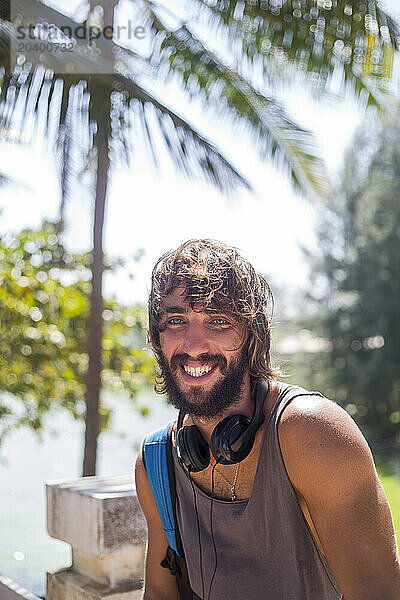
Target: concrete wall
column 101, row 519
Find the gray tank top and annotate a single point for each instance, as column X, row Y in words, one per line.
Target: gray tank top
column 265, row 548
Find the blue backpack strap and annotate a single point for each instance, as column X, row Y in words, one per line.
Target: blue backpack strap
column 157, row 457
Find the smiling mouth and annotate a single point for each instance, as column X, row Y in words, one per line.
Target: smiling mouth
column 197, row 372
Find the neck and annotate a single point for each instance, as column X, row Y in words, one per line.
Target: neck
column 245, row 406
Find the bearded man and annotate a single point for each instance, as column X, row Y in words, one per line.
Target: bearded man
column 298, row 513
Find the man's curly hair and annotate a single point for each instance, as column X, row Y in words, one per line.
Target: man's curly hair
column 216, row 276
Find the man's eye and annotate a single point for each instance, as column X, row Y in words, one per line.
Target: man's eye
column 220, row 322
column 175, row 321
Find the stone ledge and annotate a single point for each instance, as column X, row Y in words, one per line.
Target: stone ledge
column 96, row 515
column 111, row 570
column 66, row 584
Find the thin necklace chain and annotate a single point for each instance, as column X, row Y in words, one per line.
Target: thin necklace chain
column 231, row 485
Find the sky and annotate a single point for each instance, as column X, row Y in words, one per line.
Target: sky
column 155, row 210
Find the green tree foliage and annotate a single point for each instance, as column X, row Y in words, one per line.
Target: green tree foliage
column 360, row 286
column 44, row 305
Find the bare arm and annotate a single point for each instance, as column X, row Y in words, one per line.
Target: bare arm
column 330, row 465
column 159, row 583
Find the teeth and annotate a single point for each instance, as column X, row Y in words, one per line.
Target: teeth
column 197, row 371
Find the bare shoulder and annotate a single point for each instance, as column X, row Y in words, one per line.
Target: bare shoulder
column 144, row 493
column 316, row 410
column 330, row 466
column 318, row 439
column 140, row 472
column 320, row 424
column 143, row 489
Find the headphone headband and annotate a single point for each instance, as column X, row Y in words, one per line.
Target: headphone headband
column 260, row 391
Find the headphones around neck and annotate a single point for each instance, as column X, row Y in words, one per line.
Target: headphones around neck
column 231, row 441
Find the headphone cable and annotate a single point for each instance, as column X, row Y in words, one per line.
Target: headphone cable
column 198, row 535
column 211, row 531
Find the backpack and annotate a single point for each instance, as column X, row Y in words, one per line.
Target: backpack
column 158, row 462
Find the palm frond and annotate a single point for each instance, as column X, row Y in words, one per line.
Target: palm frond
column 24, row 93
column 291, row 146
column 344, row 19
column 192, row 152
column 312, row 38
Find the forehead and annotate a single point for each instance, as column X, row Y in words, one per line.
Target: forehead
column 176, row 296
column 177, row 300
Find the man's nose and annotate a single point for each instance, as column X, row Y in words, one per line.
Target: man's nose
column 195, row 341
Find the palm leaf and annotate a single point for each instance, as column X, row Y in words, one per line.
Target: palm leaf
column 291, row 146
column 294, row 26
column 312, row 38
column 28, row 89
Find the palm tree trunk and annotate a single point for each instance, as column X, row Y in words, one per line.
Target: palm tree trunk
column 95, row 320
column 101, row 111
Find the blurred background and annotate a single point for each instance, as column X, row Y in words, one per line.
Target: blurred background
column 271, row 125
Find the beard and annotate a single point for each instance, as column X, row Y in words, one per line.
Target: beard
column 198, row 401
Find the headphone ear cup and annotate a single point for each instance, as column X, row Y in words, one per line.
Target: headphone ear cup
column 226, row 433
column 192, row 448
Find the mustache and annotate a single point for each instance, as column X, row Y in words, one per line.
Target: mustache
column 205, row 358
